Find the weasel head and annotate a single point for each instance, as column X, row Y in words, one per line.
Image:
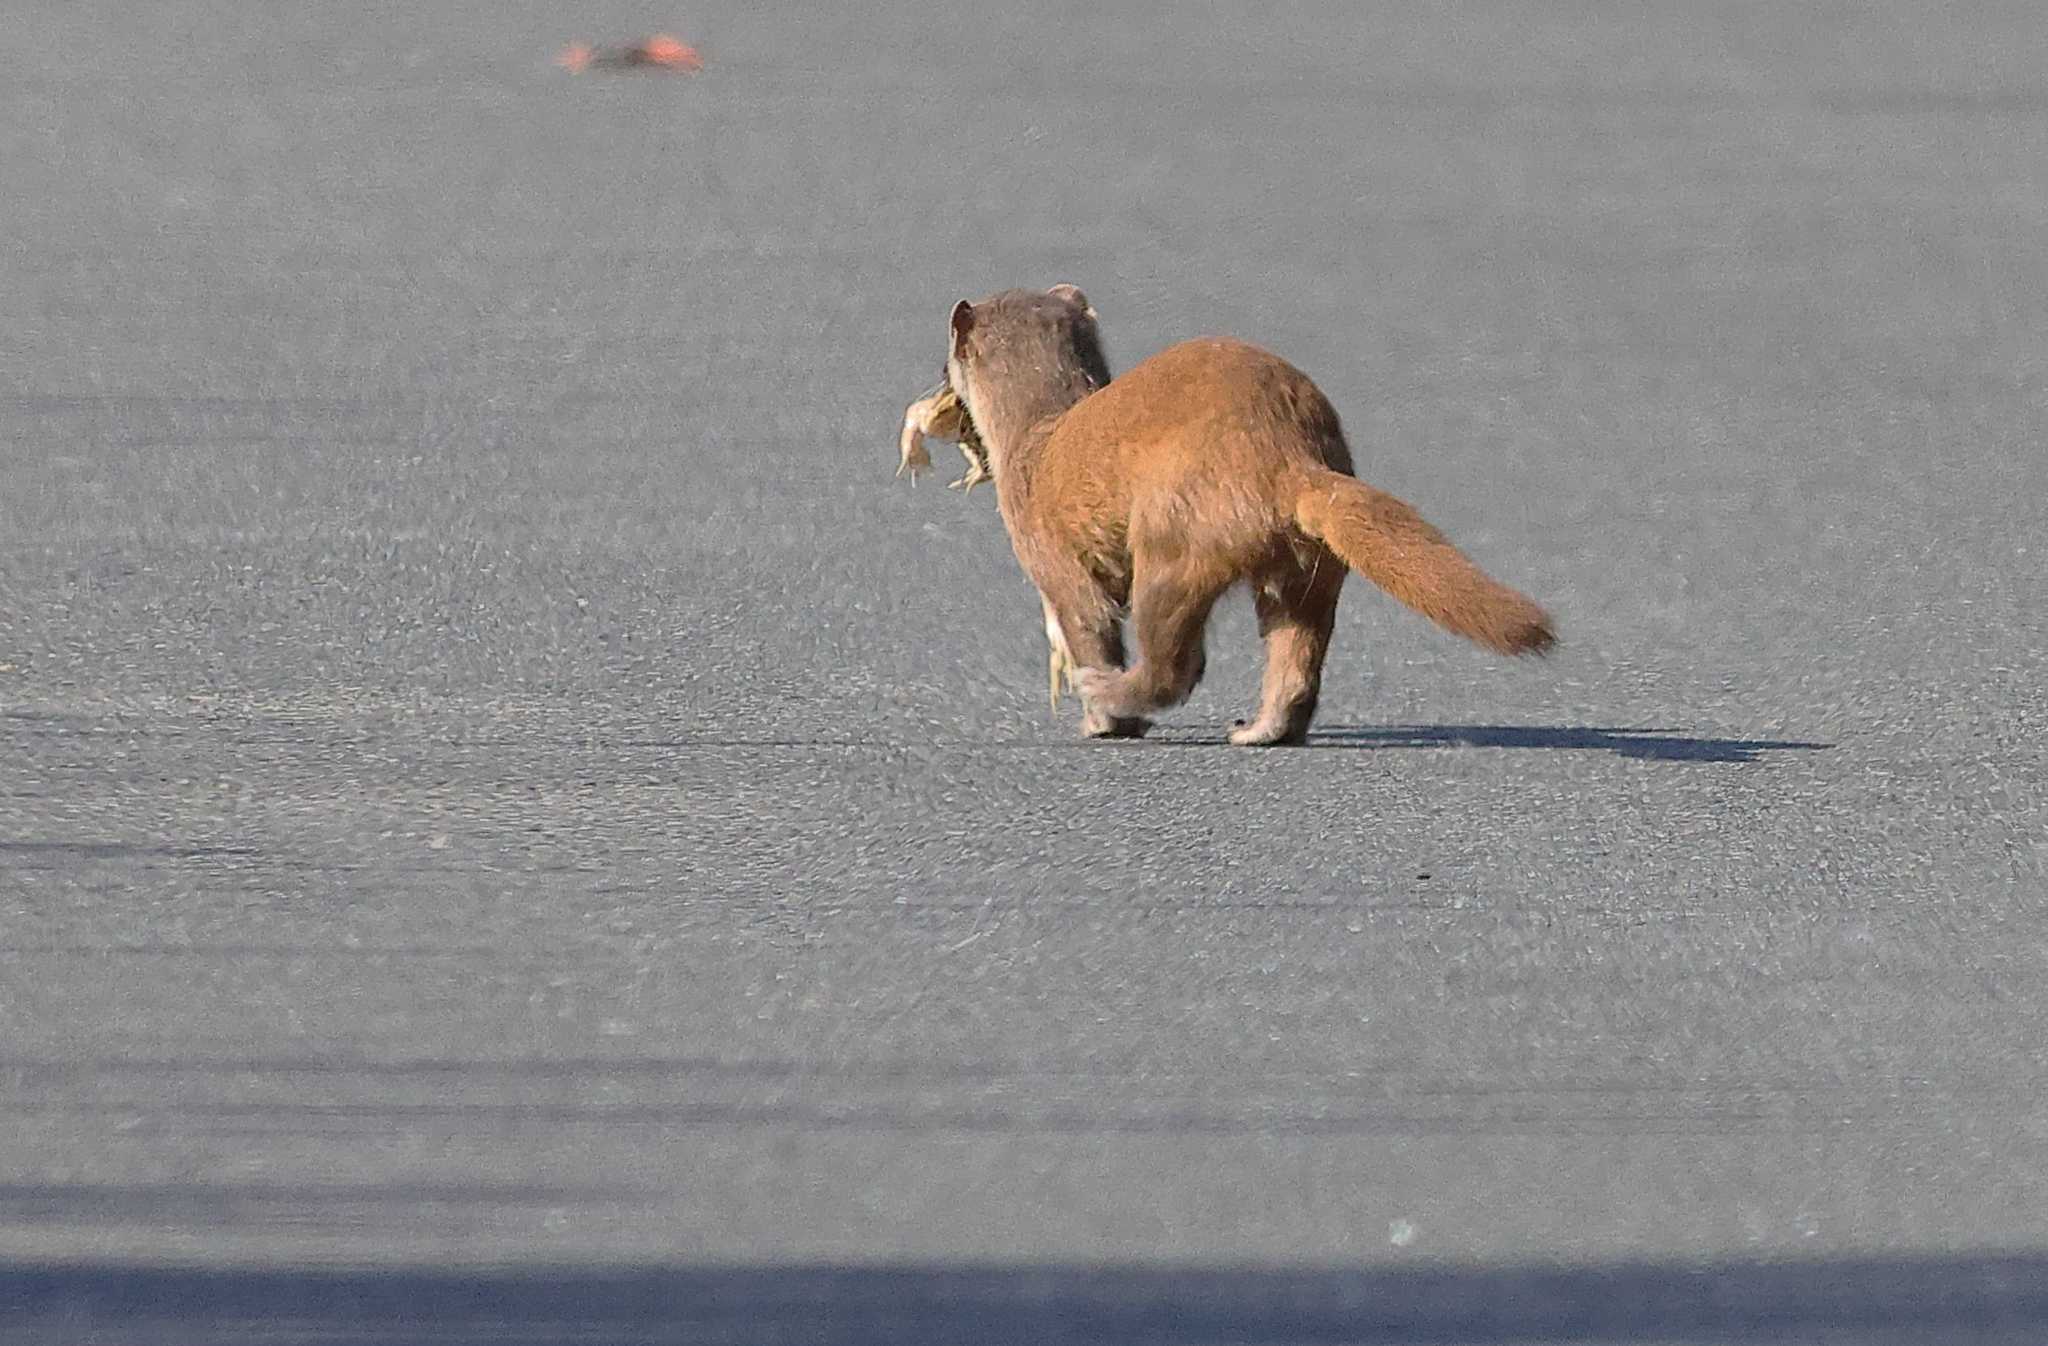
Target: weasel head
column 1021, row 355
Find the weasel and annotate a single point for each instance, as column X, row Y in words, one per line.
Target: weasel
column 1211, row 464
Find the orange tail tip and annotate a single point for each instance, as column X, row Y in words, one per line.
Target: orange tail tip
column 576, row 58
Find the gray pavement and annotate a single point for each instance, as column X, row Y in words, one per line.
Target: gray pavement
column 514, row 825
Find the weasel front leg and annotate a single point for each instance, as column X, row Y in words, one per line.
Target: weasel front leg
column 1059, row 668
column 1085, row 638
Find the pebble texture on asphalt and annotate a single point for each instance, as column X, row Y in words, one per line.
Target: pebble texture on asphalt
column 493, row 768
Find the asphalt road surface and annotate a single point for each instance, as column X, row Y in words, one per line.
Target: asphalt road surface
column 515, row 826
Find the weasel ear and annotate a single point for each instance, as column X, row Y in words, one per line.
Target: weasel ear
column 963, row 322
column 1072, row 294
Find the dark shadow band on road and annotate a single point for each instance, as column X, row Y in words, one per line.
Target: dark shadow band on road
column 1973, row 1298
column 1657, row 745
column 1660, row 745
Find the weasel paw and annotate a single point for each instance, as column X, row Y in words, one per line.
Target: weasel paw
column 1094, row 725
column 1259, row 734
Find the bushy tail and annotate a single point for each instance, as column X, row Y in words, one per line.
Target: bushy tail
column 1386, row 541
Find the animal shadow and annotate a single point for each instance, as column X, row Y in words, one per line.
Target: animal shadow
column 1658, row 745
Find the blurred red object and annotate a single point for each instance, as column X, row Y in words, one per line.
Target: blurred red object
column 662, row 52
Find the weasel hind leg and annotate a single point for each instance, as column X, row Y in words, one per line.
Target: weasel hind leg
column 1170, row 606
column 1297, row 612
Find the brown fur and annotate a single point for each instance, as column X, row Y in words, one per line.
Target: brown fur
column 1211, row 464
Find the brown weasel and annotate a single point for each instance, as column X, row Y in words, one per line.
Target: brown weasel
column 1210, row 464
